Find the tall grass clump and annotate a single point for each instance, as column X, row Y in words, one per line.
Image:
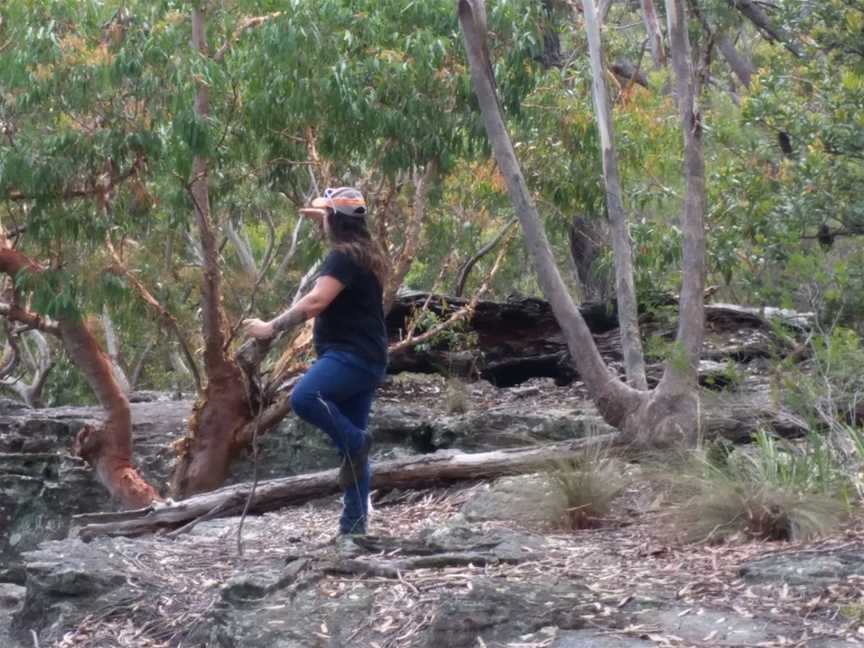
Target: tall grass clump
column 587, row 486
column 771, row 490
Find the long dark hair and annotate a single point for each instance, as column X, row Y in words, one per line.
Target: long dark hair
column 350, row 235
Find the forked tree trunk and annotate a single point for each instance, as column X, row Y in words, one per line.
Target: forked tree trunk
column 615, row 400
column 628, row 316
column 669, row 414
column 223, row 409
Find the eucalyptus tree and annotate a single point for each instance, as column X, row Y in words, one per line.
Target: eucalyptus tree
column 669, row 414
column 355, row 98
column 141, row 138
column 81, row 92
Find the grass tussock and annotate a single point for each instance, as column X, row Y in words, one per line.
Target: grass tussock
column 457, row 399
column 771, row 490
column 587, row 486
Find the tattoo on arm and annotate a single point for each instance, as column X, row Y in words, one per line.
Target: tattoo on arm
column 289, row 319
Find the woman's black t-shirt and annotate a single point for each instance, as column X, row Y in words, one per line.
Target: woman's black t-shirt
column 354, row 321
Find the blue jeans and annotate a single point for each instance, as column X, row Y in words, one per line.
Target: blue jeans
column 336, row 396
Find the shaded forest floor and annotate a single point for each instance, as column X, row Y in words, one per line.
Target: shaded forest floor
column 636, row 585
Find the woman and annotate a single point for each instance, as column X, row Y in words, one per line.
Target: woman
column 350, row 340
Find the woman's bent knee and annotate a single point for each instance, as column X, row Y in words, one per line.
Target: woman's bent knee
column 303, row 403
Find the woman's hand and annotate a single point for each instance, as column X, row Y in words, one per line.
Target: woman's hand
column 258, row 329
column 315, row 213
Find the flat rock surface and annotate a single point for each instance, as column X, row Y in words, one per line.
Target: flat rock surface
column 527, row 499
column 814, row 569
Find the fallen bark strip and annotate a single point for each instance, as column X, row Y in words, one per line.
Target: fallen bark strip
column 394, row 568
column 414, row 472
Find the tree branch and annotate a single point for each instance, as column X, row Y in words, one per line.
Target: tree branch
column 31, row 320
column 246, row 25
column 483, row 251
column 412, row 233
column 96, row 189
column 168, row 320
column 774, row 33
column 466, row 312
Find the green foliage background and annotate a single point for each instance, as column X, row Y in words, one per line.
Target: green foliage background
column 92, row 90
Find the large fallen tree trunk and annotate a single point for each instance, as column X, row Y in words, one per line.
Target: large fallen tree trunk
column 520, row 338
column 436, row 469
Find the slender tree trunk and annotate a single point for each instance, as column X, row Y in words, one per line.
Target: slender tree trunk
column 603, row 10
column 655, row 36
column 692, row 301
column 628, row 316
column 112, row 346
column 166, row 318
column 588, row 239
column 615, row 400
column 138, row 365
column 223, row 408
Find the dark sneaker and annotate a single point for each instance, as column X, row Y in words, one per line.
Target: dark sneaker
column 353, row 464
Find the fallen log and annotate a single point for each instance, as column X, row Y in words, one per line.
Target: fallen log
column 519, row 339
column 442, row 467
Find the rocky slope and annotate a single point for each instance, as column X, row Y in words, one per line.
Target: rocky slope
column 482, row 564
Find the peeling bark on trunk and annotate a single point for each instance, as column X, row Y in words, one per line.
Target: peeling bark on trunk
column 107, row 448
column 615, row 400
column 206, row 452
column 628, row 317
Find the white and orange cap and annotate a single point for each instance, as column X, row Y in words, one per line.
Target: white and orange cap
column 343, row 200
